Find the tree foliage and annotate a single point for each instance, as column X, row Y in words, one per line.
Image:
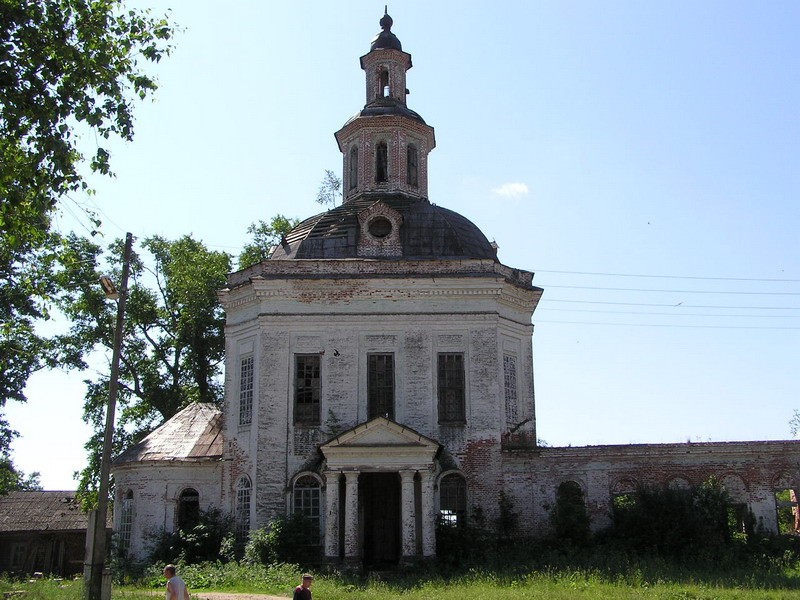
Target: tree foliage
column 670, row 522
column 173, row 340
column 265, row 236
column 67, row 67
column 330, row 188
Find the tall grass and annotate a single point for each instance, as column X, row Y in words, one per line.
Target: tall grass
column 553, row 574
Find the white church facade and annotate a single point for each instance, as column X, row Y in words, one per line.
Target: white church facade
column 379, row 378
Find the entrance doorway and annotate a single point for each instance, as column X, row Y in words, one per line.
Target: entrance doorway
column 380, row 503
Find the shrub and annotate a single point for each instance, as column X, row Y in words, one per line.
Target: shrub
column 287, row 539
column 671, row 522
column 569, row 517
column 208, row 540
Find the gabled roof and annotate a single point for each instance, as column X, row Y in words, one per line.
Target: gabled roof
column 194, row 434
column 380, row 444
column 41, row 511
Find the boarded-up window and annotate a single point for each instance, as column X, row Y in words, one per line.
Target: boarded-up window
column 380, row 385
column 307, row 389
column 451, row 388
column 246, row 390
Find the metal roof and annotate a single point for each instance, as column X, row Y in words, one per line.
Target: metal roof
column 195, row 433
column 428, row 232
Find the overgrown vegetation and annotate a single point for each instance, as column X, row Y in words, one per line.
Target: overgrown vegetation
column 286, row 540
column 666, row 544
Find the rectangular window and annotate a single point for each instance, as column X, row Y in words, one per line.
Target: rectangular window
column 307, row 502
column 246, row 391
column 307, row 389
column 126, row 523
column 380, row 385
column 451, row 388
column 510, row 385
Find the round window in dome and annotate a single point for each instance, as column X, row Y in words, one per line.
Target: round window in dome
column 380, row 227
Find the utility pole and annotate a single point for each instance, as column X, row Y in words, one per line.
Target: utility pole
column 94, row 565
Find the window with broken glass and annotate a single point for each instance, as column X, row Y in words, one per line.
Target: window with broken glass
column 307, row 502
column 451, row 388
column 381, row 162
column 380, row 385
column 246, row 368
column 188, row 509
column 453, row 500
column 412, row 171
column 353, row 171
column 307, row 389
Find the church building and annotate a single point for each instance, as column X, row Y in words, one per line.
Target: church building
column 379, row 379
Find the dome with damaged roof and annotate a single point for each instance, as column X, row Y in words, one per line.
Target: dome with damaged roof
column 425, row 231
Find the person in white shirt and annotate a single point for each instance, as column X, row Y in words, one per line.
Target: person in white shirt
column 176, row 588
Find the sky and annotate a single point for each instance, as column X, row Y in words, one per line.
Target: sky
column 641, row 158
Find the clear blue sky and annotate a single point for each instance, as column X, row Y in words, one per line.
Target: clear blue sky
column 593, row 141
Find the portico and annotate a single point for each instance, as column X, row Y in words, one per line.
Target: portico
column 379, row 494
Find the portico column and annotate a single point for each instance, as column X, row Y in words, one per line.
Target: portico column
column 332, row 514
column 408, row 515
column 351, row 515
column 428, row 514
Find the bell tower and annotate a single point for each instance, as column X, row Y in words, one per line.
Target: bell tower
column 385, row 146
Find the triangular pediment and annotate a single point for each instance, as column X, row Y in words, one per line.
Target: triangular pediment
column 379, row 444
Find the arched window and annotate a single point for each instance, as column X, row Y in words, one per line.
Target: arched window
column 188, row 509
column 306, row 501
column 384, row 83
column 381, row 162
column 412, row 170
column 126, row 522
column 453, row 500
column 353, row 170
column 242, row 509
column 569, row 515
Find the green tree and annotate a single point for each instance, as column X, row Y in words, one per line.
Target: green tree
column 330, row 188
column 66, row 67
column 173, row 340
column 265, row 236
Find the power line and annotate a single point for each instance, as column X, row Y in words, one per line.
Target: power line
column 537, row 321
column 612, row 289
column 671, row 314
column 667, row 276
column 545, row 299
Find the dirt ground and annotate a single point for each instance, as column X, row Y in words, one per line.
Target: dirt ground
column 215, row 596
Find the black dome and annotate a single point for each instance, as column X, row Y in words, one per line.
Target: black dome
column 387, row 106
column 428, row 232
column 386, row 40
